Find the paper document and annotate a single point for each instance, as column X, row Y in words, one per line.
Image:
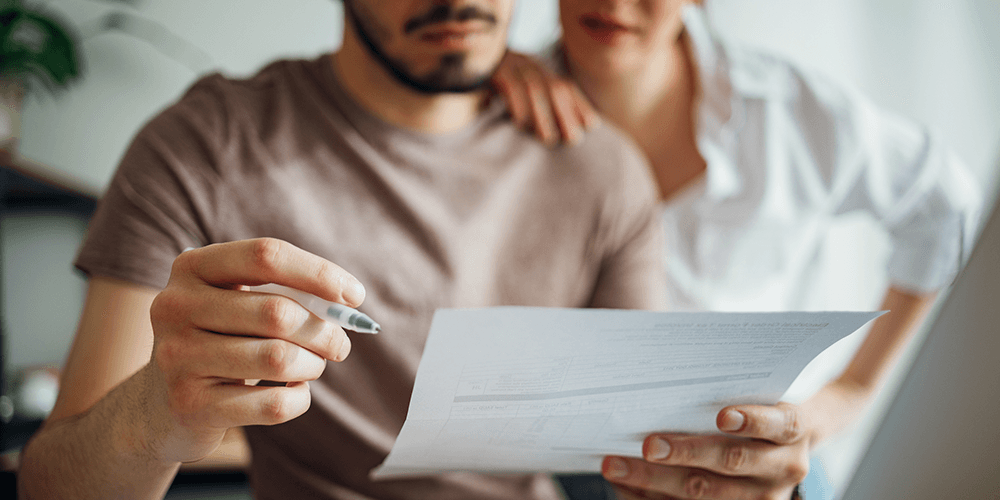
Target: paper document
column 515, row 389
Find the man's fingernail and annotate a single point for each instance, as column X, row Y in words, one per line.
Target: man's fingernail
column 617, row 468
column 345, row 349
column 658, row 449
column 732, row 421
column 354, row 292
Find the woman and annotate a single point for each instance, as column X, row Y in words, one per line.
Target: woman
column 755, row 159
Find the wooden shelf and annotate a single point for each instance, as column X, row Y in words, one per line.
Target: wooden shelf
column 28, row 188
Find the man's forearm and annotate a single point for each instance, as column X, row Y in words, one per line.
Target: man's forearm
column 102, row 453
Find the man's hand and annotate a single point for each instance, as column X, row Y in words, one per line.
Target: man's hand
column 210, row 337
column 763, row 454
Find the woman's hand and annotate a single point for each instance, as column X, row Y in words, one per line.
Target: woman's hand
column 763, row 454
column 538, row 99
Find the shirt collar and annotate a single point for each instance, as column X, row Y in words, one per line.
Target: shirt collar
column 716, row 112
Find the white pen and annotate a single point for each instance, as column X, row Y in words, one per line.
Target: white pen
column 349, row 318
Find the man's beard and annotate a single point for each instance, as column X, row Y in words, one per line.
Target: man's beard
column 450, row 76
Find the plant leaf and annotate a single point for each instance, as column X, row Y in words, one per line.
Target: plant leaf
column 35, row 44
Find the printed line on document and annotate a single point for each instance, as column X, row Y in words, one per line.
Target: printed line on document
column 592, row 391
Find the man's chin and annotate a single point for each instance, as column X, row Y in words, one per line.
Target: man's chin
column 461, row 86
column 452, row 76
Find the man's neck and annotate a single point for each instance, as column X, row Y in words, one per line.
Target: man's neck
column 372, row 86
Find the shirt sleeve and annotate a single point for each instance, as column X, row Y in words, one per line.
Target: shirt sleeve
column 920, row 192
column 871, row 160
column 161, row 197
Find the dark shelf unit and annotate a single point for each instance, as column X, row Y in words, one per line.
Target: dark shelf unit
column 22, row 192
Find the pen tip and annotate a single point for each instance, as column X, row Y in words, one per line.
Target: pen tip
column 365, row 324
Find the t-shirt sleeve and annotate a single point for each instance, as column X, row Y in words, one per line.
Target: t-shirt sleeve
column 162, row 196
column 631, row 274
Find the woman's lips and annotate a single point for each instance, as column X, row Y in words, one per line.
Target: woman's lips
column 603, row 29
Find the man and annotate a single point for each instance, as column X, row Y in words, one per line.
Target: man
column 381, row 159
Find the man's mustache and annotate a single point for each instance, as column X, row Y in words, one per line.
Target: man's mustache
column 445, row 13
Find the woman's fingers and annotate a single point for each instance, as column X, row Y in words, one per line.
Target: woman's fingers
column 551, row 105
column 507, row 82
column 543, row 114
column 588, row 115
column 566, row 111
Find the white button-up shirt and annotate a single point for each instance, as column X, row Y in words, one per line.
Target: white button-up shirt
column 788, row 153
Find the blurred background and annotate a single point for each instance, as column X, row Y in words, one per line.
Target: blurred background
column 935, row 61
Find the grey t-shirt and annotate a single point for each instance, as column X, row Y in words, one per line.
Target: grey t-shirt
column 479, row 217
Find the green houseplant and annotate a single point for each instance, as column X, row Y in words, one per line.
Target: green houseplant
column 36, row 50
column 35, row 45
column 40, row 52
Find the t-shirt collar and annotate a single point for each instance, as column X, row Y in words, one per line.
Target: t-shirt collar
column 364, row 119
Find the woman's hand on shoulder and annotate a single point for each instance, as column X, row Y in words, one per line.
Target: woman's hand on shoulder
column 538, row 99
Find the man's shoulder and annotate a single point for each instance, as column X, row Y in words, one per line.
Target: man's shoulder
column 605, row 151
column 222, row 106
column 605, row 165
column 273, row 77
